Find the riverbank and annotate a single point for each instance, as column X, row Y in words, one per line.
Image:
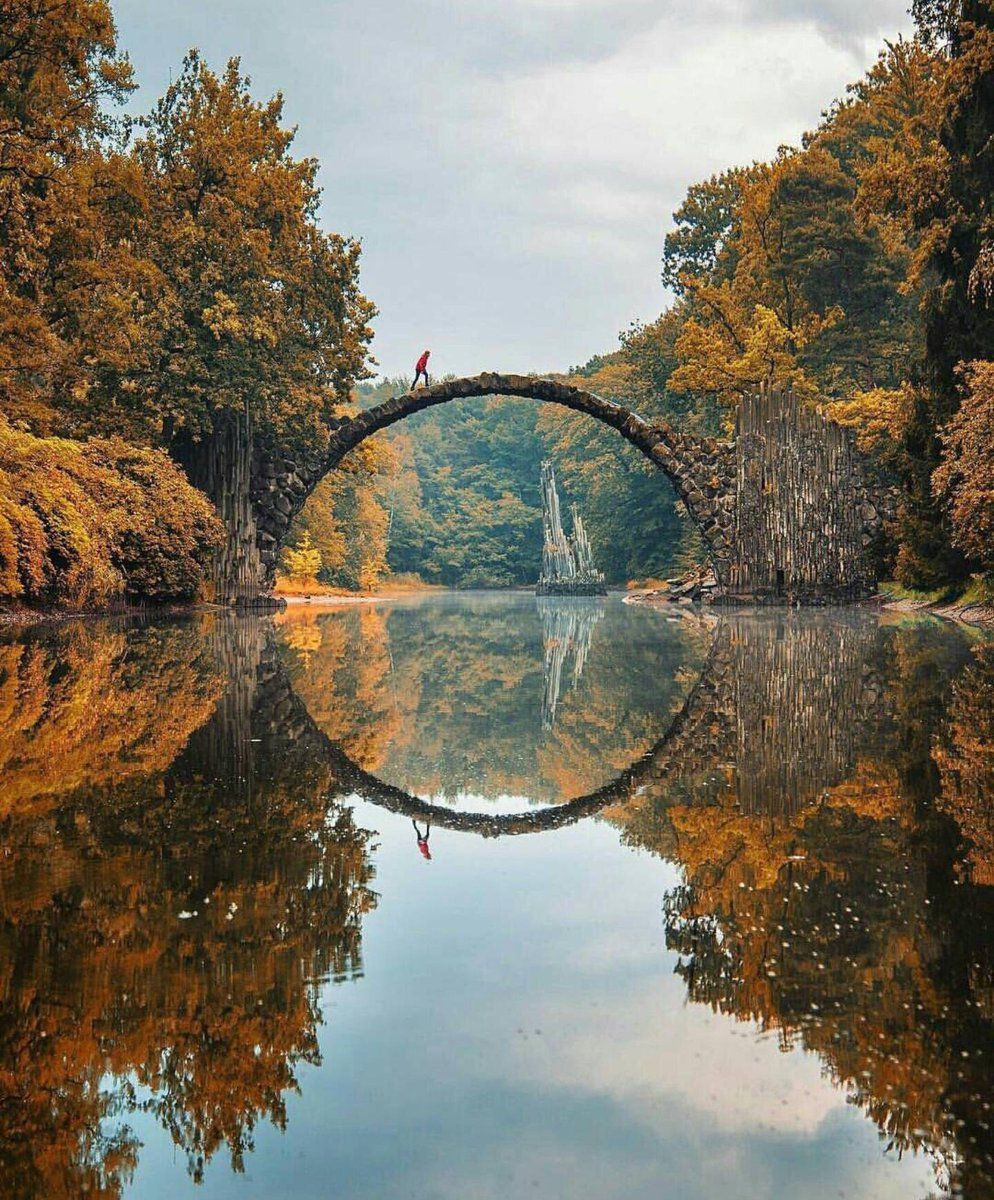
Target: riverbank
column 320, row 593
column 973, row 606
column 14, row 616
column 970, row 608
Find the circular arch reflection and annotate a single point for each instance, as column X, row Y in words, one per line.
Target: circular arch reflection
column 696, row 714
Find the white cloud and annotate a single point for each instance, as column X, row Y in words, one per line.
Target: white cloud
column 511, row 165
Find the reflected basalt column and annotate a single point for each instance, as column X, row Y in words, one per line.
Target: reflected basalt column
column 165, row 927
column 786, row 709
column 806, row 699
column 855, row 924
column 567, row 629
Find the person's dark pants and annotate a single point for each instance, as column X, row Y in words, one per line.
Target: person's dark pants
column 418, row 375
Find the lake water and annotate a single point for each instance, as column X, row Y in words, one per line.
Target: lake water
column 477, row 897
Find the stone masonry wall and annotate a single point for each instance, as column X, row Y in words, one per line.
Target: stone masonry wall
column 700, row 469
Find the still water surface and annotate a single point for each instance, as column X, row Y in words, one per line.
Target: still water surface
column 476, row 897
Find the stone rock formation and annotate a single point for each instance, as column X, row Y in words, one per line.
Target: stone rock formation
column 567, row 562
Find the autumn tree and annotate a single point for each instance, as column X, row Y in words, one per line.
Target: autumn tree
column 302, row 562
column 94, row 522
column 346, row 520
column 964, row 481
column 252, row 309
column 199, row 1023
column 782, row 277
column 60, row 75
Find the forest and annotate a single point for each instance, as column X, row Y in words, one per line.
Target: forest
column 165, row 273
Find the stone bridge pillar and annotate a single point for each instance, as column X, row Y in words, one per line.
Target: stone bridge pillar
column 806, row 515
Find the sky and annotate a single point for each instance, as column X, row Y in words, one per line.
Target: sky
column 511, row 166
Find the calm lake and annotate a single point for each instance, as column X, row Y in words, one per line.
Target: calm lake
column 483, row 896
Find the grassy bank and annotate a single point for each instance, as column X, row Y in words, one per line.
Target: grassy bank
column 973, row 602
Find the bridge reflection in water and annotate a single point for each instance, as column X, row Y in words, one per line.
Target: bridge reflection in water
column 182, row 873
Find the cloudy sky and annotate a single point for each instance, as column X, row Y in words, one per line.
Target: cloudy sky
column 511, row 165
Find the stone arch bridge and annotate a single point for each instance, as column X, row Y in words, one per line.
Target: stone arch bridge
column 785, row 508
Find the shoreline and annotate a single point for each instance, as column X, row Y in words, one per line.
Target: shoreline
column 973, row 613
column 13, row 618
column 976, row 614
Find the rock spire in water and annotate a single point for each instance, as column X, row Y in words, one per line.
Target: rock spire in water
column 567, row 562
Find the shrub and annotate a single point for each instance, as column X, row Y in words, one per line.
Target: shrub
column 302, row 562
column 88, row 523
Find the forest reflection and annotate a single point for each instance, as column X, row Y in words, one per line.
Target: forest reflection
column 489, row 696
column 174, row 889
column 182, row 873
column 854, row 915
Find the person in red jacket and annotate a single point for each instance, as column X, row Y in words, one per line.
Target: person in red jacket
column 421, row 368
column 422, row 840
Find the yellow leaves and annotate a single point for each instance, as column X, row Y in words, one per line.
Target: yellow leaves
column 742, row 350
column 58, row 72
column 964, row 481
column 371, row 539
column 880, row 417
column 87, row 523
column 86, row 723
column 345, row 524
column 222, row 317
column 615, row 380
column 796, row 274
column 303, row 636
column 91, row 720
column 303, row 562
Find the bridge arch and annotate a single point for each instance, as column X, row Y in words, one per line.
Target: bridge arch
column 702, row 470
column 699, row 728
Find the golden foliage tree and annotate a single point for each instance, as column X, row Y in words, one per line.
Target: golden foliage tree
column 303, row 561
column 964, row 480
column 59, row 71
column 183, row 985
column 253, row 307
column 346, row 519
column 793, row 271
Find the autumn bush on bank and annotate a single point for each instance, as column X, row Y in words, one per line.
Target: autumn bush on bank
column 91, row 523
